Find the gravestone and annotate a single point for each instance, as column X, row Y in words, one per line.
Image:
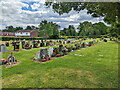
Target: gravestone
column 86, row 44
column 16, row 46
column 43, row 51
column 83, row 45
column 3, row 48
column 38, row 55
column 50, row 51
column 23, row 43
column 47, row 43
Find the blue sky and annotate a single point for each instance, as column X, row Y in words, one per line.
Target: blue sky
column 29, row 8
column 32, row 12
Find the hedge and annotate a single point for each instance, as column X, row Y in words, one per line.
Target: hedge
column 8, row 38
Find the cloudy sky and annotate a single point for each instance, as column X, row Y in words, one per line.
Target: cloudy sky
column 32, row 12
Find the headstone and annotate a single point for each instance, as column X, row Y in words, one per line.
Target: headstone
column 50, row 51
column 86, row 44
column 47, row 43
column 83, row 45
column 44, row 51
column 23, row 43
column 3, row 48
column 16, row 46
column 38, row 55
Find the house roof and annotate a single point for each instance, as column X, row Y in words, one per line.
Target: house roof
column 25, row 30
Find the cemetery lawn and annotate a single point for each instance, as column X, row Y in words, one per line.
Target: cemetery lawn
column 96, row 67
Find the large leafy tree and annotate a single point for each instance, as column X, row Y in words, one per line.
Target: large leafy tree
column 84, row 28
column 71, row 30
column 48, row 28
column 108, row 10
column 88, row 29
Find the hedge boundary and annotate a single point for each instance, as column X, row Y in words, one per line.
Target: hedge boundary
column 8, row 38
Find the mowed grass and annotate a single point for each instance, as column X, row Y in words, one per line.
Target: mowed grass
column 96, row 68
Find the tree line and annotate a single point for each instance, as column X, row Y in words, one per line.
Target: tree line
column 50, row 29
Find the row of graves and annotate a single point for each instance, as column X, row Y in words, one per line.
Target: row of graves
column 25, row 45
column 45, row 55
column 35, row 44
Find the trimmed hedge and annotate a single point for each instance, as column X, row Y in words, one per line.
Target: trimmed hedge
column 8, row 38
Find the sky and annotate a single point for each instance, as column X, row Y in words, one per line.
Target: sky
column 32, row 12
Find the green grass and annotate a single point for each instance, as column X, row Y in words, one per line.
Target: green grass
column 98, row 68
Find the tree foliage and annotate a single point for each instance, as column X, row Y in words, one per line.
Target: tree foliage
column 108, row 10
column 48, row 28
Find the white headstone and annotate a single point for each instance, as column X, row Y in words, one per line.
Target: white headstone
column 38, row 55
column 65, row 42
column 50, row 51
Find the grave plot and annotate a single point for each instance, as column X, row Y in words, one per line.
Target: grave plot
column 35, row 44
column 27, row 45
column 42, row 56
column 10, row 61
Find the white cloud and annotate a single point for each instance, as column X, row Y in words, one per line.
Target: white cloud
column 12, row 14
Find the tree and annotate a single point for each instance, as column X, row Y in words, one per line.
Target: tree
column 28, row 28
column 108, row 10
column 84, row 28
column 9, row 29
column 18, row 28
column 71, row 30
column 48, row 28
column 114, row 30
column 63, row 32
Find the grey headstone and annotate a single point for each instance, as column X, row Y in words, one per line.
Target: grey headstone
column 3, row 49
column 43, row 51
